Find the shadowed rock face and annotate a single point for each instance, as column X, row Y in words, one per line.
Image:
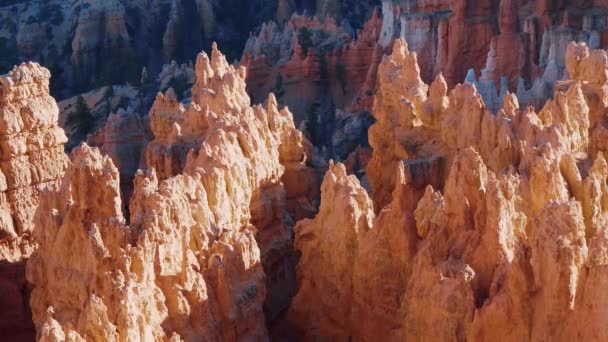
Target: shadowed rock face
column 309, row 58
column 124, row 138
column 15, row 315
column 502, row 244
column 92, row 43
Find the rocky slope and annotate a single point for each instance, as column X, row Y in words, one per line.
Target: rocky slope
column 92, row 43
column 480, row 225
column 206, row 253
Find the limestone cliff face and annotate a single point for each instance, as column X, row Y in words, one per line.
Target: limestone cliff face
column 324, row 72
column 507, row 46
column 206, row 254
column 32, row 153
column 172, row 274
column 219, row 87
column 32, row 160
column 446, row 34
column 503, row 236
column 184, row 142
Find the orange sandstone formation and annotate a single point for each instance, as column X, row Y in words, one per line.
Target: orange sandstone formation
column 32, row 153
column 504, row 238
column 123, row 138
column 523, row 41
column 206, row 254
column 32, row 159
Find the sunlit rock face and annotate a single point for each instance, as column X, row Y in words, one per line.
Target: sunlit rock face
column 207, row 251
column 468, row 216
column 32, row 160
column 480, row 225
column 32, row 152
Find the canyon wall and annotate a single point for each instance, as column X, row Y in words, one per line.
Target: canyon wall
column 501, row 45
column 480, row 224
column 325, row 71
column 92, row 43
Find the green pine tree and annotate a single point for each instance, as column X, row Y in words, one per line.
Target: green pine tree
column 311, row 122
column 279, row 89
column 81, row 121
column 305, row 40
column 107, row 98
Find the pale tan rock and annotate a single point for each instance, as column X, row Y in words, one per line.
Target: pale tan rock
column 135, row 282
column 429, row 214
column 123, row 138
column 556, row 263
column 438, row 102
column 595, row 196
column 395, row 109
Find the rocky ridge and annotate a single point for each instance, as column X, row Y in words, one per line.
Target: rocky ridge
column 204, row 253
column 480, row 224
column 92, row 43
column 317, row 66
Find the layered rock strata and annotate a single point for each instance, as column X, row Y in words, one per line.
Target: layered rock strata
column 101, row 28
column 206, row 254
column 32, row 160
column 506, row 240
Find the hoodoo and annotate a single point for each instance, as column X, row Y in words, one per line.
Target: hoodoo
column 504, row 242
column 206, row 252
column 369, row 170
